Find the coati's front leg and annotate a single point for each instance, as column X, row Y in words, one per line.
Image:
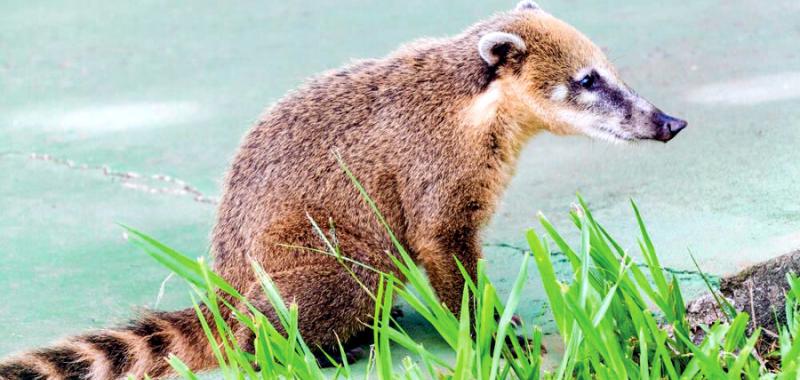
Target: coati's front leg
column 438, row 256
column 333, row 307
column 439, row 260
column 446, row 232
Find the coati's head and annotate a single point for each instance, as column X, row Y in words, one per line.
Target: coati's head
column 547, row 75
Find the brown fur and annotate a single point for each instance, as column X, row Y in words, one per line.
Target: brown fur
column 431, row 131
column 408, row 128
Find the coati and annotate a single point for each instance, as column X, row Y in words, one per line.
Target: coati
column 432, row 131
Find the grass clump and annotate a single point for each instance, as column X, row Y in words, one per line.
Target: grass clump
column 617, row 321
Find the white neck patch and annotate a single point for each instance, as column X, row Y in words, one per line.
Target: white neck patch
column 484, row 106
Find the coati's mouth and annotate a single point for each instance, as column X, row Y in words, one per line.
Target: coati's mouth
column 614, row 135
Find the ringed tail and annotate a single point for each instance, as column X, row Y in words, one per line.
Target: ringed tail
column 140, row 348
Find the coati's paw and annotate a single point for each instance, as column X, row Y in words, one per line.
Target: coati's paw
column 397, row 312
column 527, row 344
column 352, row 355
column 516, row 321
column 355, row 354
column 524, row 343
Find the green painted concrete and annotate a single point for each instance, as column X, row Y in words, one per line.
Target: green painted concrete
column 168, row 88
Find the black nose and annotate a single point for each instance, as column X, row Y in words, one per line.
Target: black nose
column 668, row 126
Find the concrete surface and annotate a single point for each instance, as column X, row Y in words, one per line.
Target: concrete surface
column 137, row 89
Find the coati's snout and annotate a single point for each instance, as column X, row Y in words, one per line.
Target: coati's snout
column 596, row 103
column 666, row 127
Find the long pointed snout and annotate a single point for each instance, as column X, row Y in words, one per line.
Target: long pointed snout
column 667, row 126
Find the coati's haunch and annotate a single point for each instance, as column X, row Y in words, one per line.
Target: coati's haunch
column 433, row 132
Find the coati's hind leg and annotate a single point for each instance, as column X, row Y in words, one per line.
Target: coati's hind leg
column 332, row 309
column 332, row 306
column 354, row 348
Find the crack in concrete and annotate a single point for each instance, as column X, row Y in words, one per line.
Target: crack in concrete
column 153, row 184
column 714, row 279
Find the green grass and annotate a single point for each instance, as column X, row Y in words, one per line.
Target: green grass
column 617, row 320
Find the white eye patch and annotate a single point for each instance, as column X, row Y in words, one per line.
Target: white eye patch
column 588, row 98
column 561, row 92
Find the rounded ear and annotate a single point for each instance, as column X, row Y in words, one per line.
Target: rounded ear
column 495, row 47
column 527, row 5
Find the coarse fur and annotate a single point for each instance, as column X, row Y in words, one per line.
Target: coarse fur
column 432, row 131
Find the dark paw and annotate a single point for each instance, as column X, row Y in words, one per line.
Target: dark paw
column 397, row 312
column 352, row 355
column 516, row 321
column 527, row 345
column 355, row 354
column 524, row 343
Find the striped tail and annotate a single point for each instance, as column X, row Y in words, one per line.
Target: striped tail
column 137, row 349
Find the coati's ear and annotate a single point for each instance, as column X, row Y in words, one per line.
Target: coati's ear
column 495, row 47
column 527, row 5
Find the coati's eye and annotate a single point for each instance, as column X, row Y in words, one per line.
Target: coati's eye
column 588, row 81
